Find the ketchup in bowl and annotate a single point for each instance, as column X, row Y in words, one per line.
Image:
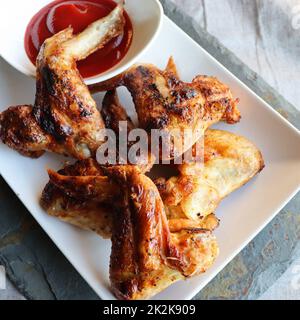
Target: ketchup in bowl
column 60, row 14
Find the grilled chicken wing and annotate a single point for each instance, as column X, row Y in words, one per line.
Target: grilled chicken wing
column 20, row 131
column 64, row 118
column 80, row 210
column 229, row 162
column 114, row 114
column 190, row 197
column 161, row 232
column 147, row 254
column 166, row 103
column 146, row 257
column 81, row 194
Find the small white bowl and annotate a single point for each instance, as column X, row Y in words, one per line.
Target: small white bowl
column 146, row 17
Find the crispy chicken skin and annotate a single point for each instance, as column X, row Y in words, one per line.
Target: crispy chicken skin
column 153, row 243
column 192, row 195
column 166, row 103
column 146, row 257
column 20, row 131
column 64, row 118
column 113, row 114
column 218, row 98
column 81, row 211
column 230, row 161
column 66, row 198
column 214, row 92
column 85, row 187
column 188, row 201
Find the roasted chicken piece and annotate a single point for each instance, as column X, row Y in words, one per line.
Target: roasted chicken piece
column 64, row 118
column 146, row 258
column 20, row 131
column 173, row 107
column 178, row 247
column 79, row 210
column 113, row 113
column 229, row 162
column 81, row 194
column 193, row 194
column 115, row 116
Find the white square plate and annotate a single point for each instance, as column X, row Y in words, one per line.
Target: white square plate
column 243, row 214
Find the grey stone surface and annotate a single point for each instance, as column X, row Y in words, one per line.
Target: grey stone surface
column 32, row 262
column 287, row 287
column 40, row 271
column 10, row 292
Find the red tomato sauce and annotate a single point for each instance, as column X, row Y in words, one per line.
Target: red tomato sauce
column 60, row 14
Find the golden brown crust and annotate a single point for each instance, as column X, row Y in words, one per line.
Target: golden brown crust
column 114, row 114
column 155, row 243
column 171, row 67
column 84, row 187
column 210, row 222
column 20, row 131
column 81, row 211
column 85, row 214
column 146, row 257
column 147, row 254
column 230, row 161
column 218, row 98
column 160, row 233
column 64, row 118
column 166, row 103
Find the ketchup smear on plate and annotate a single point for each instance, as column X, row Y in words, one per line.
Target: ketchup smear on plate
column 60, row 14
